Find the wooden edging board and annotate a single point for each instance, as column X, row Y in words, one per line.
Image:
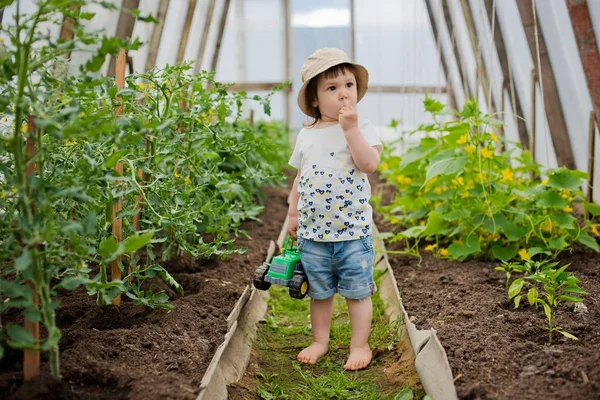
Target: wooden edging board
column 431, row 361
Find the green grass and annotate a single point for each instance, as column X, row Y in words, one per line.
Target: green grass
column 286, row 331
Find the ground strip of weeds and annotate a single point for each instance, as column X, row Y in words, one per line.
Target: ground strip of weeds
column 274, row 372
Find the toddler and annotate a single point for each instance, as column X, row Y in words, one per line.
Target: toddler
column 329, row 210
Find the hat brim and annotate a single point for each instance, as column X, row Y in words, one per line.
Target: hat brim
column 362, row 80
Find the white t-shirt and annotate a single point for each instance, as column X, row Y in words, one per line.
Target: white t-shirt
column 334, row 194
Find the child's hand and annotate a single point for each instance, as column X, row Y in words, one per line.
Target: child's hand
column 347, row 116
column 293, row 226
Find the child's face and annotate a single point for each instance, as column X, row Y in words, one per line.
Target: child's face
column 331, row 93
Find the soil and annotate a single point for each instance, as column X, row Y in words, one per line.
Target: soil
column 131, row 352
column 494, row 350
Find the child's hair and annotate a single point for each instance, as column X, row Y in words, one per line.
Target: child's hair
column 311, row 89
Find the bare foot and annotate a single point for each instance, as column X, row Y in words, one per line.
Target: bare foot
column 360, row 357
column 311, row 354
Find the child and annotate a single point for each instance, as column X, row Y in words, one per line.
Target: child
column 329, row 204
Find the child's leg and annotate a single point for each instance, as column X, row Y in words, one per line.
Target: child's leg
column 320, row 317
column 361, row 312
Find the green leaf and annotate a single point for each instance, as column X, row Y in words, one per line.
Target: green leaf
column 563, row 178
column 405, row 394
column 570, row 299
column 114, row 158
column 553, row 199
column 567, row 334
column 518, row 301
column 504, row 253
column 515, row 288
column 446, row 166
column 532, row 296
column 547, row 309
column 20, row 335
column 558, row 243
column 592, row 208
column 23, row 261
column 589, row 241
column 435, row 224
column 431, row 105
column 563, row 220
column 107, row 248
column 414, row 232
column 471, row 245
column 514, row 232
column 169, row 280
column 136, row 241
column 33, row 315
column 71, row 282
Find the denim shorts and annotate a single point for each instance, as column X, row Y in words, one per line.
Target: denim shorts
column 344, row 267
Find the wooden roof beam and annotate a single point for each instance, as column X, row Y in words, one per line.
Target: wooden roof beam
column 507, row 72
column 124, row 27
column 554, row 110
column 157, row 32
column 588, row 49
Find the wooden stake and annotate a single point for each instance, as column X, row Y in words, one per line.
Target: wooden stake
column 66, row 31
column 157, row 34
column 591, row 155
column 31, row 358
column 215, row 59
column 287, row 8
column 186, row 31
column 207, row 22
column 117, row 228
column 124, row 27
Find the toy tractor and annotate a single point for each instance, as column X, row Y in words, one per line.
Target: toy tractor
column 286, row 270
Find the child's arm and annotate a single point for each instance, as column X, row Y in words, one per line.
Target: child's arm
column 365, row 156
column 293, row 208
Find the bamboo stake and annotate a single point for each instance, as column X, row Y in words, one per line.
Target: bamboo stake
column 117, row 228
column 591, row 155
column 31, row 358
column 288, row 60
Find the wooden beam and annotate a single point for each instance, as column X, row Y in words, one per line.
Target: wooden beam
column 481, row 68
column 588, row 49
column 399, row 89
column 459, row 60
column 507, row 73
column 591, row 155
column 186, row 30
column 287, row 9
column 554, row 110
column 1, row 16
column 257, row 87
column 215, row 59
column 157, row 34
column 452, row 100
column 207, row 22
column 124, row 27
column 240, row 25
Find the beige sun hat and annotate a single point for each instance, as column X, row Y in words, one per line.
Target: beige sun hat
column 320, row 61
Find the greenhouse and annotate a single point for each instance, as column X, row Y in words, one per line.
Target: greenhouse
column 299, row 199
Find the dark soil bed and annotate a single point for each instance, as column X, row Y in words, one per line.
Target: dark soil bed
column 130, row 352
column 495, row 351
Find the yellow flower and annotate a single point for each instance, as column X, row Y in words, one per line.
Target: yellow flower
column 524, row 254
column 14, row 190
column 594, row 230
column 568, row 209
column 431, row 247
column 507, row 175
column 546, row 226
column 403, row 179
column 150, row 86
column 444, row 252
column 187, row 179
column 142, row 86
column 421, row 222
column 176, row 175
column 465, row 195
column 81, row 115
column 458, row 181
column 431, row 181
column 438, row 190
column 70, row 143
column 385, row 166
column 462, row 140
column 25, row 127
column 469, row 149
column 493, row 138
column 545, row 182
column 487, row 153
column 2, row 195
column 394, row 220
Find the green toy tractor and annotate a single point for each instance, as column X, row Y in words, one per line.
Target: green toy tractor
column 286, row 270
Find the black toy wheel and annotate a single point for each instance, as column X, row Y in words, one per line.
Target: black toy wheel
column 298, row 286
column 259, row 277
